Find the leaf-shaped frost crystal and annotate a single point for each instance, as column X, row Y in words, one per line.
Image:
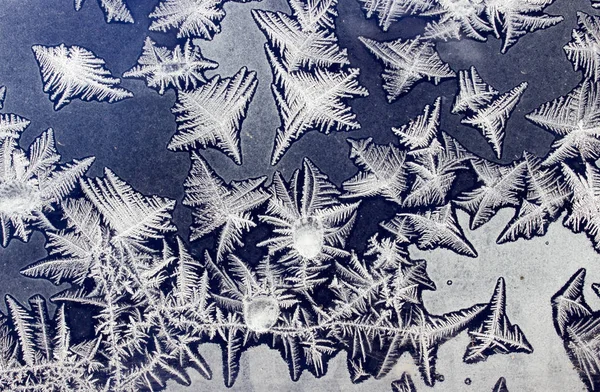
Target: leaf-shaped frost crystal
column 300, row 47
column 181, row 68
column 218, row 206
column 473, row 92
column 11, row 125
column 420, row 131
column 546, row 196
column 499, row 187
column 191, row 18
column 407, row 62
column 491, row 118
column 512, row 19
column 584, row 49
column 575, row 120
column 404, row 384
column 579, row 327
column 495, row 334
column 114, row 10
column 383, row 171
column 432, row 229
column 70, row 72
column 312, row 101
column 309, row 223
column 133, row 216
column 30, row 183
column 212, row 115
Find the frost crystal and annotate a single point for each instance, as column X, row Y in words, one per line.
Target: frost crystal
column 455, row 18
column 114, row 10
column 311, row 80
column 407, row 62
column 180, row 68
column 11, row 126
column 495, row 334
column 500, row 187
column 490, row 119
column 473, row 92
column 575, row 120
column 578, row 326
column 500, row 385
column 309, row 223
column 420, row 132
column 383, row 171
column 70, row 72
column 583, row 50
column 31, row 183
column 512, row 19
column 218, row 206
column 212, row 115
column 545, row 199
column 191, row 18
column 432, row 229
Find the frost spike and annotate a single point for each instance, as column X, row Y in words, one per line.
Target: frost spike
column 407, row 62
column 583, row 48
column 491, row 119
column 495, row 334
column 70, row 72
column 24, row 325
column 421, row 130
column 500, row 385
column 569, row 304
column 473, row 92
column 212, row 115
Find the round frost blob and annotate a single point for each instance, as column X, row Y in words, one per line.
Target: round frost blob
column 308, row 238
column 261, row 313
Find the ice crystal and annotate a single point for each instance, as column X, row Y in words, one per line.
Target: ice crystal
column 584, row 208
column 512, row 19
column 490, row 119
column 473, row 92
column 434, row 228
column 435, row 168
column 181, row 68
column 420, row 131
column 70, row 72
column 12, row 125
column 407, row 62
column 383, row 171
column 218, row 206
column 583, row 49
column 190, row 18
column 578, row 326
column 312, row 101
column 36, row 353
column 134, row 217
column 453, row 18
column 574, row 119
column 495, row 334
column 309, row 223
column 212, row 115
column 31, row 183
column 114, row 10
column 499, row 187
column 545, row 199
